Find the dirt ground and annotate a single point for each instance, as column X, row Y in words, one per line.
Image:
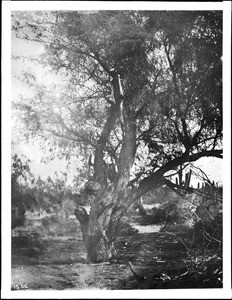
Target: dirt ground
column 159, row 260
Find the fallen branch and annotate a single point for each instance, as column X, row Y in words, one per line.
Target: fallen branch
column 135, row 272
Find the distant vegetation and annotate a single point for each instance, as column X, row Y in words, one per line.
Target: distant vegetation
column 53, row 202
column 189, row 227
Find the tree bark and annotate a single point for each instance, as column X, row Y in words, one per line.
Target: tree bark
column 98, row 228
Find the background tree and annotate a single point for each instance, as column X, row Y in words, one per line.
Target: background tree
column 31, row 193
column 141, row 92
column 21, row 197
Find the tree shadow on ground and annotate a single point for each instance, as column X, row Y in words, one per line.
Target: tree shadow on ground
column 160, row 260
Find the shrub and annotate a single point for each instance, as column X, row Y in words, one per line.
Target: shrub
column 208, row 222
column 25, row 238
column 20, row 194
column 57, row 225
column 208, row 231
column 125, row 229
column 168, row 211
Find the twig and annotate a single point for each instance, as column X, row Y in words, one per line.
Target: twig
column 172, row 233
column 132, row 268
column 193, row 238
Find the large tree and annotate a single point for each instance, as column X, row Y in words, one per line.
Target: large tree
column 140, row 96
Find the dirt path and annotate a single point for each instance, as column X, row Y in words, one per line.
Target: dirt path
column 61, row 264
column 69, row 276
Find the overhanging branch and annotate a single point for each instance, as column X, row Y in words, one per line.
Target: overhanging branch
column 206, row 153
column 156, row 179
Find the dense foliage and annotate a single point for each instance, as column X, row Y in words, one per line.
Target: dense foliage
column 169, row 64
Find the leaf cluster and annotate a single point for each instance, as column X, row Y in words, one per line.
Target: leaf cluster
column 169, row 66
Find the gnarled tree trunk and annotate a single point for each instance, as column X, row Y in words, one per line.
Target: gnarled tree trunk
column 98, row 245
column 100, row 225
column 99, row 228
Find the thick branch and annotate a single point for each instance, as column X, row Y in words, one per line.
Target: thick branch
column 156, row 178
column 108, row 127
column 179, row 133
column 209, row 153
column 103, row 64
column 128, row 149
column 83, row 218
column 99, row 166
column 189, row 158
column 186, row 136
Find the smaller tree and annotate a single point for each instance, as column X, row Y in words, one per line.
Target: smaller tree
column 21, row 198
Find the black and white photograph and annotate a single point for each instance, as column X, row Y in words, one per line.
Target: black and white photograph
column 116, row 137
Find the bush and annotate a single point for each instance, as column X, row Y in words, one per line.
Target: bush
column 20, row 175
column 58, row 225
column 17, row 215
column 208, row 222
column 25, row 238
column 208, row 231
column 168, row 211
column 125, row 229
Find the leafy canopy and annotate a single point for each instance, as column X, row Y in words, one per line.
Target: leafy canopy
column 170, row 68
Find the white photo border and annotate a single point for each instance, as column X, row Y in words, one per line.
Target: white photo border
column 8, row 7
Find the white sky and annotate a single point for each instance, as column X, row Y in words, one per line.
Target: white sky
column 30, row 150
